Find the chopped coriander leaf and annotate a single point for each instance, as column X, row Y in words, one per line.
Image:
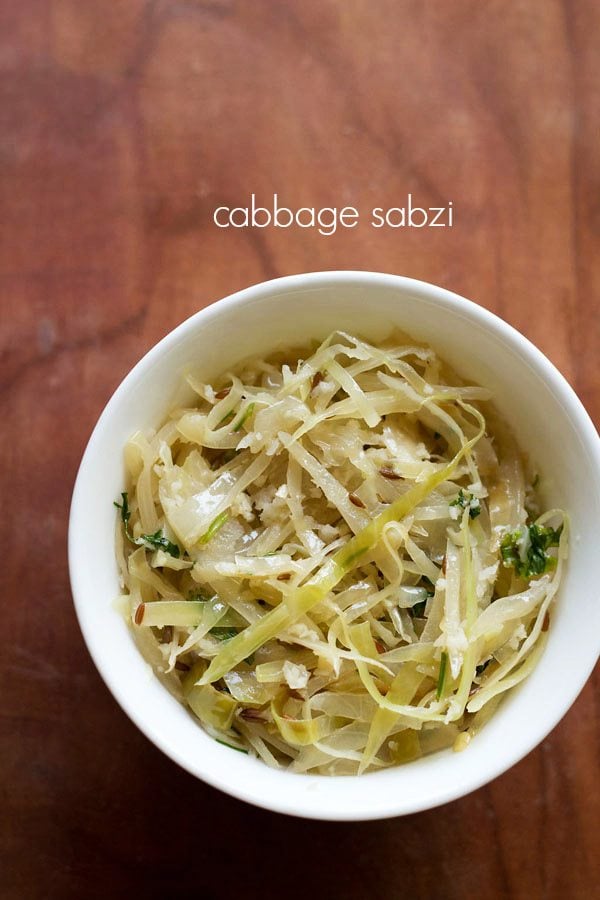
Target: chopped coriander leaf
column 467, row 501
column 160, row 542
column 231, row 746
column 156, row 541
column 525, row 549
column 479, row 670
column 442, row 676
column 222, row 633
column 226, row 418
column 509, row 550
column 125, row 513
column 417, row 611
column 245, row 415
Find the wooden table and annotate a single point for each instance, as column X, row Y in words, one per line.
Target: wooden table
column 123, row 124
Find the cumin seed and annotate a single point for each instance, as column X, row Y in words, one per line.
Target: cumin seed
column 388, row 472
column 224, row 392
column 356, row 501
column 316, row 379
column 252, row 715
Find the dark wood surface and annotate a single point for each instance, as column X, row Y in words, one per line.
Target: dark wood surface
column 123, row 123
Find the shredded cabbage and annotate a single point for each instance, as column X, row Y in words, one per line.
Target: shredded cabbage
column 327, row 556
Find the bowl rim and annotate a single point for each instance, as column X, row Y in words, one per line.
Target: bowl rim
column 435, row 295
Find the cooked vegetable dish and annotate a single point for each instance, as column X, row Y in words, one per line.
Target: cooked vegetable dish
column 336, row 557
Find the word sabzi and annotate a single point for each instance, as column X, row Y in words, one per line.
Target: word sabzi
column 328, row 219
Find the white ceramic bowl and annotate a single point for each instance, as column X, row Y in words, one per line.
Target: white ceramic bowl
column 552, row 426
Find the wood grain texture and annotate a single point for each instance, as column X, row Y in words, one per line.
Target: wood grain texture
column 123, row 123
